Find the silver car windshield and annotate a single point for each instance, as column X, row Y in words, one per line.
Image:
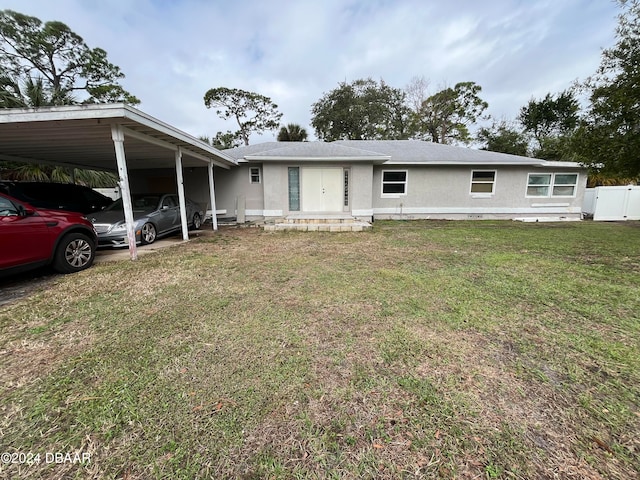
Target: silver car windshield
column 139, row 203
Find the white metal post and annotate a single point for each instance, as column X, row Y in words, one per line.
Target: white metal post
column 212, row 193
column 118, row 142
column 183, row 203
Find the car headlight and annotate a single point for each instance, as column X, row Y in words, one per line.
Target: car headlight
column 121, row 227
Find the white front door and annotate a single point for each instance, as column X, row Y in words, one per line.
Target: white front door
column 322, row 189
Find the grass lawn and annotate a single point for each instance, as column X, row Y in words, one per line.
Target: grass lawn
column 415, row 350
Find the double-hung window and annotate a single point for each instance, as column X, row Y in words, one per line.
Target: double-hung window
column 394, row 182
column 254, row 174
column 552, row 184
column 564, row 184
column 483, row 182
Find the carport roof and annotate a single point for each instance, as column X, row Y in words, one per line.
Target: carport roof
column 80, row 136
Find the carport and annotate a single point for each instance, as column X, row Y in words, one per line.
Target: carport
column 111, row 137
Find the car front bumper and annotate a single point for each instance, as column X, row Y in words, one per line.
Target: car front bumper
column 116, row 240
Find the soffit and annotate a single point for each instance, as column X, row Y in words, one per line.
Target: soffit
column 80, row 136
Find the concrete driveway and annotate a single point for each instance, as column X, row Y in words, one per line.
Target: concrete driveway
column 115, row 254
column 24, row 284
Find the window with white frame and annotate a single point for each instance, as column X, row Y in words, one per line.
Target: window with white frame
column 483, row 181
column 552, row 184
column 394, row 182
column 564, row 184
column 254, row 174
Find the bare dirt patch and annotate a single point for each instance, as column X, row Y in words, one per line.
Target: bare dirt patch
column 21, row 286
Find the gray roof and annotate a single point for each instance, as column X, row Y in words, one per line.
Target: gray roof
column 305, row 151
column 389, row 152
column 239, row 152
column 418, row 151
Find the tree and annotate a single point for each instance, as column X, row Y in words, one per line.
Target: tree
column 252, row 112
column 228, row 139
column 31, row 94
column 48, row 64
column 223, row 141
column 445, row 117
column 292, row 133
column 57, row 61
column 503, row 137
column 551, row 121
column 361, row 110
column 58, row 174
column 417, row 91
column 609, row 139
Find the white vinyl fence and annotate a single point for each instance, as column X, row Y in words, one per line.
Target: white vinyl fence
column 612, row 203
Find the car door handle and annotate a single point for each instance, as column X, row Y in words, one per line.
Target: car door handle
column 51, row 224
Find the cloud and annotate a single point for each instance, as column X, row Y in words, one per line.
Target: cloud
column 173, row 51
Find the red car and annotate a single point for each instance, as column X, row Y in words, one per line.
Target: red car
column 32, row 237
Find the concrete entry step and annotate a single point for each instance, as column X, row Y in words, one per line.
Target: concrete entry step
column 319, row 218
column 319, row 223
column 355, row 226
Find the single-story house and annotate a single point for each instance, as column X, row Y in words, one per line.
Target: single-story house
column 395, row 179
column 359, row 179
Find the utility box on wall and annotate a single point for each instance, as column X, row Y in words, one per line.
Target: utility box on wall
column 613, row 203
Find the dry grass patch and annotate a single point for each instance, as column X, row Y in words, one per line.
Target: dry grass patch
column 416, row 350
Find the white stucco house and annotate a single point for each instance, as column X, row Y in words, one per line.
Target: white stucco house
column 395, row 179
column 361, row 180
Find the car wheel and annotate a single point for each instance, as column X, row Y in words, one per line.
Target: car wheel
column 148, row 233
column 197, row 221
column 75, row 252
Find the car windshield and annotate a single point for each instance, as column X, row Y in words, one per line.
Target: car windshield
column 141, row 203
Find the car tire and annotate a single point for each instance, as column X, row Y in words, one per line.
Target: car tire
column 148, row 233
column 75, row 252
column 196, row 223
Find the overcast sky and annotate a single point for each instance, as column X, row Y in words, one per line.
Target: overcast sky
column 173, row 51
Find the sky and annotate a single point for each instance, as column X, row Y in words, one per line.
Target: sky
column 173, row 51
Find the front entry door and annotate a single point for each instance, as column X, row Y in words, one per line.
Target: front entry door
column 322, row 189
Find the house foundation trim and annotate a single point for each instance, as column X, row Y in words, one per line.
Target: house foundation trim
column 475, row 211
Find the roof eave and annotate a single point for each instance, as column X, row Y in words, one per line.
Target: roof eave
column 541, row 163
column 261, row 158
column 149, row 121
column 112, row 112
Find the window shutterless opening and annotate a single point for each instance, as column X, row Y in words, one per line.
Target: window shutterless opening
column 483, row 181
column 394, row 182
column 254, row 174
column 552, row 184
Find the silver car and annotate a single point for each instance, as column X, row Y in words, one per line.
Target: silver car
column 155, row 215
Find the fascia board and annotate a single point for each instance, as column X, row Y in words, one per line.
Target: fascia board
column 112, row 112
column 471, row 164
column 315, row 159
column 542, row 164
column 151, row 122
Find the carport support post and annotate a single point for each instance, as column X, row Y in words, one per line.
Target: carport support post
column 183, row 203
column 118, row 142
column 212, row 193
